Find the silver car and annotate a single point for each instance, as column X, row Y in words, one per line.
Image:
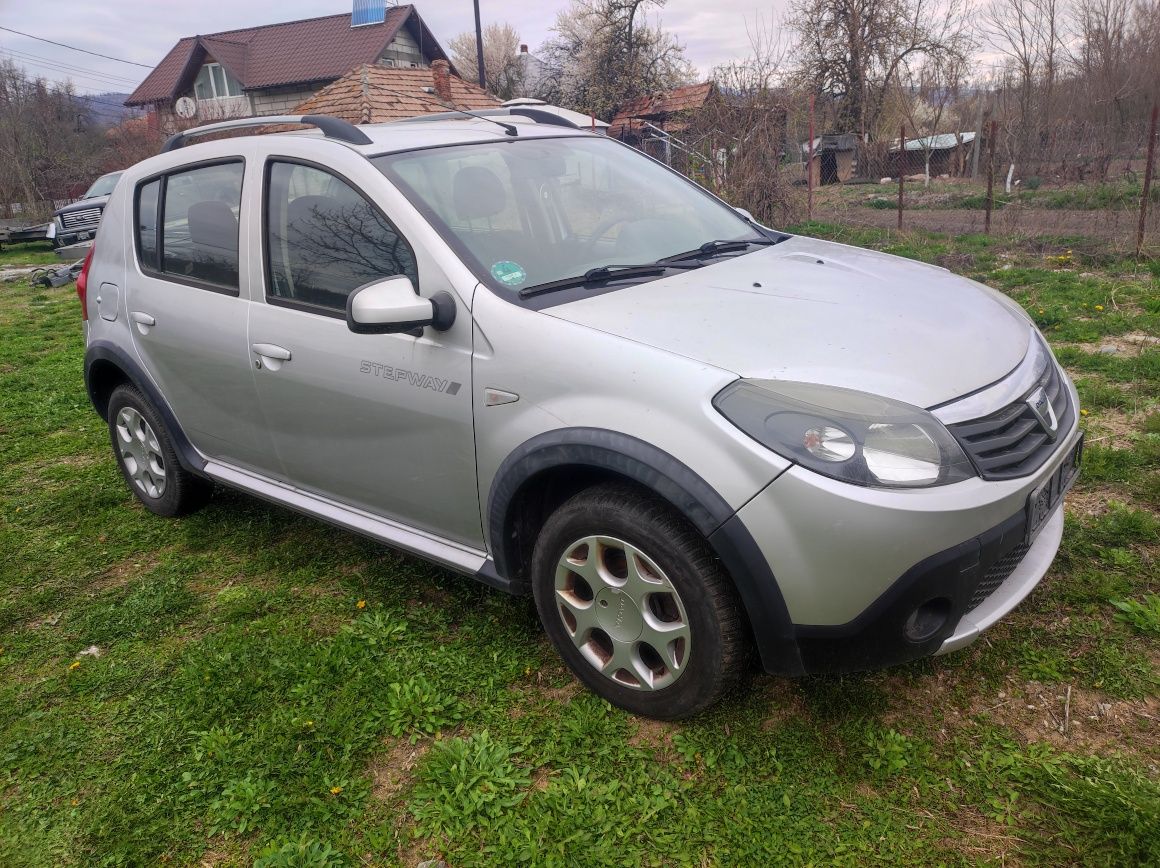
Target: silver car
column 537, row 357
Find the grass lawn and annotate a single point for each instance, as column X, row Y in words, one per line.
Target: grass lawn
column 33, row 253
column 264, row 688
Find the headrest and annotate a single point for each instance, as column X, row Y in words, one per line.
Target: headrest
column 478, row 193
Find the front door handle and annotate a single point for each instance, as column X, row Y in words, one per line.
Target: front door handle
column 272, row 354
column 272, row 351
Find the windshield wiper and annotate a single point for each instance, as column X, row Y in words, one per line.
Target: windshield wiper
column 601, row 274
column 713, row 248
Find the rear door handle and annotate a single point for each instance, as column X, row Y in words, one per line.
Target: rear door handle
column 143, row 321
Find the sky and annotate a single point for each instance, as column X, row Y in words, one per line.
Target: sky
column 142, row 31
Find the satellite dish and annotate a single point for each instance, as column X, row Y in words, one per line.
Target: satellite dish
column 185, row 107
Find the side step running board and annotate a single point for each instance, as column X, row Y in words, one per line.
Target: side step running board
column 462, row 559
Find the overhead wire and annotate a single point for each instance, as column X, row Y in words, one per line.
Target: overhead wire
column 75, row 48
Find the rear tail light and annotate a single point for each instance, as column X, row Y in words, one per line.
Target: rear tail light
column 83, row 282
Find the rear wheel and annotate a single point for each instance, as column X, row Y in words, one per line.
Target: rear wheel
column 637, row 604
column 147, row 459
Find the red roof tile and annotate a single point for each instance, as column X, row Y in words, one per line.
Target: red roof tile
column 294, row 52
column 659, row 105
column 371, row 94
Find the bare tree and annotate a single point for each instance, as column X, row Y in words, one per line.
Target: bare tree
column 501, row 60
column 605, row 53
column 930, row 89
column 854, row 51
column 48, row 142
column 1027, row 34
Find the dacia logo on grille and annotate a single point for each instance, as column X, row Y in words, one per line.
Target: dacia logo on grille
column 1042, row 410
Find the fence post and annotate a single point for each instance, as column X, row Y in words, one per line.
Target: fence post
column 901, row 169
column 810, row 167
column 1144, row 196
column 990, row 202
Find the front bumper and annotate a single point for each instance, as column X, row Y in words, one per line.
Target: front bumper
column 857, row 566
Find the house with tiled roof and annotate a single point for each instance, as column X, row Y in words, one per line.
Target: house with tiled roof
column 269, row 70
column 668, row 111
column 373, row 93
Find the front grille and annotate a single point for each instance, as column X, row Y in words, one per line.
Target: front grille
column 997, row 574
column 1013, row 442
column 76, row 219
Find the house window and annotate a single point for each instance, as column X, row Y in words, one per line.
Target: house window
column 214, row 82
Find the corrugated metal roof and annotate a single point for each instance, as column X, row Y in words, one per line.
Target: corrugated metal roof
column 940, row 142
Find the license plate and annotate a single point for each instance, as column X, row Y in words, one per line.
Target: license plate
column 1047, row 497
column 82, row 236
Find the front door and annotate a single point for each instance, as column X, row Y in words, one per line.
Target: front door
column 378, row 422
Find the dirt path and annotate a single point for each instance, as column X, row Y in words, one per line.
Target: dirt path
column 1116, row 226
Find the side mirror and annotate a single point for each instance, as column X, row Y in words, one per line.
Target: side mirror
column 745, row 214
column 391, row 306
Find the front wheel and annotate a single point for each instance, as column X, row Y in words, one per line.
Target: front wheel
column 636, row 603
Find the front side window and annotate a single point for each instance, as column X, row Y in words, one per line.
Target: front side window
column 196, row 238
column 324, row 239
column 535, row 211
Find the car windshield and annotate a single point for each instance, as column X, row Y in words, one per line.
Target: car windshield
column 529, row 212
column 103, row 186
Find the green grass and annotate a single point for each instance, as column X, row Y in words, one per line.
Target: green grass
column 33, row 253
column 269, row 691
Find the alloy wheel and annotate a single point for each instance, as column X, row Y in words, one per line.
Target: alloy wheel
column 623, row 613
column 141, row 452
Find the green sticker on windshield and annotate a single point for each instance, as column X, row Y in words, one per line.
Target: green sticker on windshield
column 509, row 273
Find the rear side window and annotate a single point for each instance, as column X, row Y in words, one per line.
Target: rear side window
column 324, row 239
column 196, row 239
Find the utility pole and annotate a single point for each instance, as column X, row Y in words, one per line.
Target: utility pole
column 479, row 48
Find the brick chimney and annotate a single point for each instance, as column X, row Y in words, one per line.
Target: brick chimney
column 523, row 49
column 441, row 74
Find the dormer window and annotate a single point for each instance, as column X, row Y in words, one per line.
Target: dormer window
column 214, row 82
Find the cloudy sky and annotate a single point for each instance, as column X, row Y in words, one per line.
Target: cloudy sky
column 143, row 30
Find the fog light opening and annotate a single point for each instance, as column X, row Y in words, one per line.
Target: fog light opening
column 927, row 619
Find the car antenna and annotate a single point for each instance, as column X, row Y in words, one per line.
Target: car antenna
column 509, row 129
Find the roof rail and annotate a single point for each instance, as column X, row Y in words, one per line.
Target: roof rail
column 535, row 114
column 332, row 128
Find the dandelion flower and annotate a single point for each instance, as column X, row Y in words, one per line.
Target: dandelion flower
column 362, row 604
column 1041, row 310
column 1099, row 307
column 334, row 791
column 76, row 664
column 1083, row 412
column 310, row 723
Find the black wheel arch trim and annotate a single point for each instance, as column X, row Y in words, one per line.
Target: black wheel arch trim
column 692, row 496
column 107, row 351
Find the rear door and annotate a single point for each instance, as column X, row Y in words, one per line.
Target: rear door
column 187, row 299
column 378, row 422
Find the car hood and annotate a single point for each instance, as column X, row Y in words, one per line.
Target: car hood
column 819, row 312
column 82, row 205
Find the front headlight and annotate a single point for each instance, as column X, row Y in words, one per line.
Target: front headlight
column 847, row 435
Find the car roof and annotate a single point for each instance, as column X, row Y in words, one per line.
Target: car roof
column 385, row 138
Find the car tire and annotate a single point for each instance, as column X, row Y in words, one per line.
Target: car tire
column 617, row 572
column 145, row 454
